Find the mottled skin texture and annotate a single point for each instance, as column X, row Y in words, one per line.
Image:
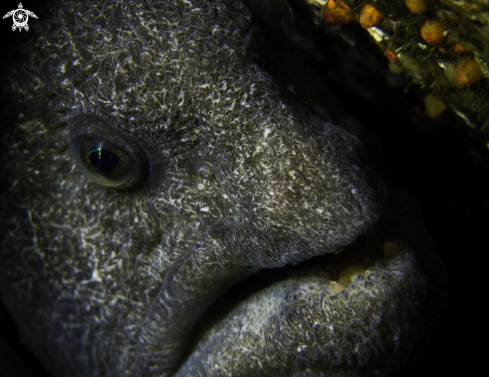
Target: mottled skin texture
column 242, row 176
column 305, row 326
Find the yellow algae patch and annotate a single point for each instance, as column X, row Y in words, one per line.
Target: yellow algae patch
column 395, row 68
column 391, row 248
column 433, row 106
column 335, row 288
column 370, row 17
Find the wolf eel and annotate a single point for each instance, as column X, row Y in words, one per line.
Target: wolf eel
column 166, row 151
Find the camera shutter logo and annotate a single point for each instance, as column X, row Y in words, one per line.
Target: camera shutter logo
column 20, row 17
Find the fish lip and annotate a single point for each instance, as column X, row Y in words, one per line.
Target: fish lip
column 221, row 306
column 266, row 277
column 250, row 286
column 393, row 257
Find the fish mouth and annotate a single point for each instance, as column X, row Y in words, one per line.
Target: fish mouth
column 338, row 270
column 381, row 294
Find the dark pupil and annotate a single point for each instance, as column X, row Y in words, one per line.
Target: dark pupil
column 102, row 158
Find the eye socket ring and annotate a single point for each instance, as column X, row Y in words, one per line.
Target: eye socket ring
column 106, row 155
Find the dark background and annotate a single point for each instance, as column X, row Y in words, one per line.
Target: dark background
column 435, row 159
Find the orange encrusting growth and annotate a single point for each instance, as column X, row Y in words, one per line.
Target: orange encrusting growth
column 433, row 32
column 416, row 6
column 466, row 72
column 337, row 12
column 459, row 49
column 370, row 17
column 393, row 58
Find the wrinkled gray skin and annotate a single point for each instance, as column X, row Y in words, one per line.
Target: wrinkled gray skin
column 242, row 176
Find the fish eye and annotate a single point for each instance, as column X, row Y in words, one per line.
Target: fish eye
column 106, row 155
